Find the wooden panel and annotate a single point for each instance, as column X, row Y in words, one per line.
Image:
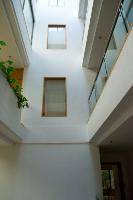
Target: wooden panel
column 18, row 75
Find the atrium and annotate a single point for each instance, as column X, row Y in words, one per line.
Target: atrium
column 66, row 100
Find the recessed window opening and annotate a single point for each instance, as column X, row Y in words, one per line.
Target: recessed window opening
column 54, row 100
column 56, row 37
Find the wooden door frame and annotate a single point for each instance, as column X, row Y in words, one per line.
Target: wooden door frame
column 120, row 175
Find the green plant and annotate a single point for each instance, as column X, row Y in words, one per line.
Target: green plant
column 7, row 68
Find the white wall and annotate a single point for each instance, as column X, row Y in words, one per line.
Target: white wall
column 56, row 63
column 50, row 172
column 10, row 114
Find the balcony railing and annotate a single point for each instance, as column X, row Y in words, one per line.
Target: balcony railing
column 28, row 16
column 122, row 25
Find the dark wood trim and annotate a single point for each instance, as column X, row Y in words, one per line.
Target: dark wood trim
column 56, row 26
column 120, row 175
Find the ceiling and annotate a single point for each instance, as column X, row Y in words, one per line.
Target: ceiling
column 3, row 142
column 122, row 138
column 6, row 34
column 117, row 131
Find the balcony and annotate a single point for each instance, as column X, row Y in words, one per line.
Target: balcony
column 10, row 115
column 19, row 48
column 120, row 31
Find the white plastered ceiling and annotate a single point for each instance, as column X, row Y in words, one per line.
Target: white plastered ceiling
column 122, row 138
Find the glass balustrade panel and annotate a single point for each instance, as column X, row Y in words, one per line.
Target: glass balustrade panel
column 101, row 80
column 117, row 40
